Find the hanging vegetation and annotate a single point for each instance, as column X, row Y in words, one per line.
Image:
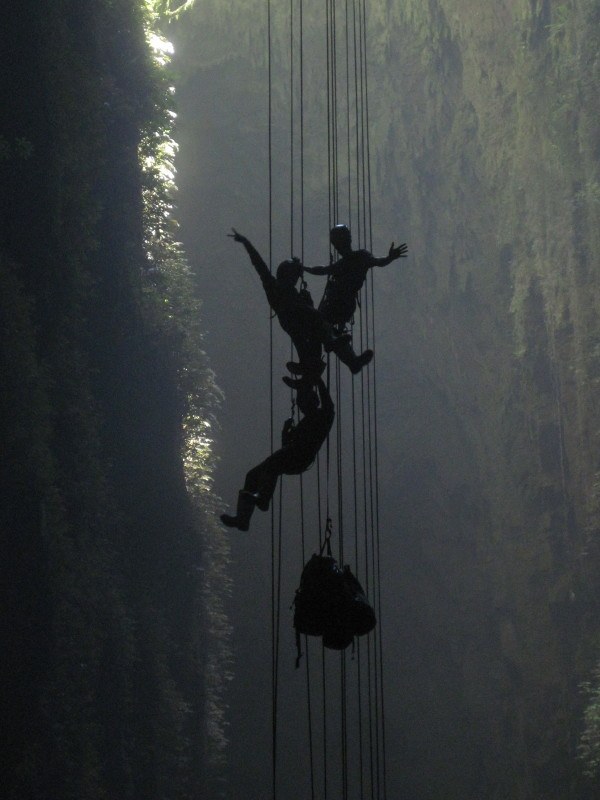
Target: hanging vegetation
column 108, row 396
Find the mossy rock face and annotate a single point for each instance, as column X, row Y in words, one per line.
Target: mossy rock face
column 484, row 131
column 101, row 601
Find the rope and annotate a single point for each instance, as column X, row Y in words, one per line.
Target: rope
column 370, row 764
column 348, row 137
column 380, row 704
column 302, row 131
column 329, row 115
column 291, row 127
column 275, row 580
column 324, row 680
column 357, row 80
column 366, row 555
column 356, row 107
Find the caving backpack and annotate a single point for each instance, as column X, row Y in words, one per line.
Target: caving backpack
column 331, row 603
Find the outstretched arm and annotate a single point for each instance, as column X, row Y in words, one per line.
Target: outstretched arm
column 318, row 270
column 255, row 257
column 395, row 252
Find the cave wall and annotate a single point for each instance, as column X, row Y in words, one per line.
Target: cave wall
column 495, row 167
column 484, row 132
column 103, row 650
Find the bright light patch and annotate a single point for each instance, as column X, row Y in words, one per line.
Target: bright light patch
column 162, row 49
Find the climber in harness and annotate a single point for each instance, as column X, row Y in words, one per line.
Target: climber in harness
column 299, row 447
column 347, row 275
column 307, row 327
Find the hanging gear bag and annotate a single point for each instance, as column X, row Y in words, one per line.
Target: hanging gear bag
column 331, row 603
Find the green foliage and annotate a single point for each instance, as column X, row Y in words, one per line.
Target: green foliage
column 172, row 307
column 170, row 8
column 104, row 386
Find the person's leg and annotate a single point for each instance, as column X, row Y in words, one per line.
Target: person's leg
column 245, row 507
column 258, row 490
column 343, row 350
column 262, row 479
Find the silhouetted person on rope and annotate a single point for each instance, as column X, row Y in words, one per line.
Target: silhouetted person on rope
column 298, row 317
column 347, row 275
column 299, row 447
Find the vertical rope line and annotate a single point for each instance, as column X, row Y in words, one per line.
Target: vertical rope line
column 368, row 135
column 354, row 478
column 329, row 166
column 339, row 466
column 302, row 131
column 341, row 557
column 367, row 551
column 306, row 645
column 362, row 116
column 357, row 124
column 359, row 689
column 310, row 721
column 332, row 126
column 273, row 663
column 319, row 502
column 378, row 595
column 348, row 137
column 270, row 133
column 273, row 576
column 323, row 678
column 344, row 721
column 307, row 656
column 371, row 511
column 311, row 748
column 321, row 539
column 291, row 127
column 369, row 687
column 328, row 451
column 340, row 478
column 270, row 248
column 377, row 533
column 335, row 110
column 361, row 768
column 277, row 629
column 366, row 307
column 360, row 202
column 372, row 423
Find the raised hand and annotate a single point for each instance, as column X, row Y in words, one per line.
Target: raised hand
column 237, row 237
column 398, row 252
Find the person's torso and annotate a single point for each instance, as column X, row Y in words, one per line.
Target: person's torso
column 309, row 434
column 350, row 273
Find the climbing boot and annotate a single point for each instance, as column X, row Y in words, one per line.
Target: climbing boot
column 345, row 353
column 309, row 369
column 361, row 361
column 245, row 507
column 293, row 383
column 262, row 502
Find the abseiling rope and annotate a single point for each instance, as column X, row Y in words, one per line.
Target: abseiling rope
column 348, row 147
column 275, row 551
column 355, row 31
